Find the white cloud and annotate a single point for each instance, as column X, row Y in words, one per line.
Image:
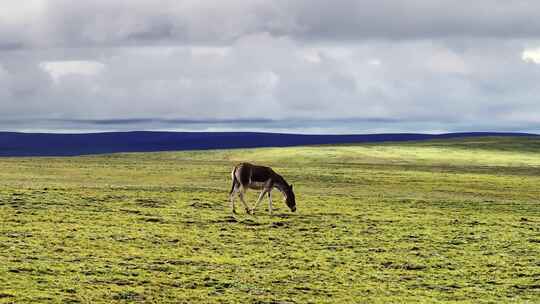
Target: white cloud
column 268, row 80
column 311, row 55
column 266, row 77
column 445, row 61
column 59, row 69
column 16, row 12
column 4, row 84
column 531, row 55
column 374, row 62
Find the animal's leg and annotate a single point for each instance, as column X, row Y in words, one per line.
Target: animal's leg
column 231, row 197
column 234, row 186
column 234, row 189
column 241, row 194
column 270, row 202
column 263, row 192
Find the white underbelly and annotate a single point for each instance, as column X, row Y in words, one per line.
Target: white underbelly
column 256, row 185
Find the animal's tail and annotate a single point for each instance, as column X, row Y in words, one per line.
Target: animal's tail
column 233, row 180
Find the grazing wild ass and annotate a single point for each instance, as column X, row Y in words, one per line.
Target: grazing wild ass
column 246, row 176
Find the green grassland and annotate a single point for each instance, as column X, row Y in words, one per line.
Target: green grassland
column 436, row 221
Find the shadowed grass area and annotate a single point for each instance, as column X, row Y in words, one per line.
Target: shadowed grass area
column 438, row 221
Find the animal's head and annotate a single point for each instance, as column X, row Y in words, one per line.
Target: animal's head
column 289, row 198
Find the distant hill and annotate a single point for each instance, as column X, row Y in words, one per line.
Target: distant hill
column 48, row 144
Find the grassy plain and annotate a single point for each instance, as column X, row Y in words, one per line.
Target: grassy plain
column 437, row 221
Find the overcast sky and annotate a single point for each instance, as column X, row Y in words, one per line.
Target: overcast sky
column 311, row 65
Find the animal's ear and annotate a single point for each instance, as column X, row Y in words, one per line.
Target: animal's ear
column 291, row 186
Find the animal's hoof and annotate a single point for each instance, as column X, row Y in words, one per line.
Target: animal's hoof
column 233, row 211
column 250, row 211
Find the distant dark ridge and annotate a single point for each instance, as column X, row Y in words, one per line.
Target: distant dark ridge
column 47, row 144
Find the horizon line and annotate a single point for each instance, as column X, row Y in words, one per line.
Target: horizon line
column 281, row 133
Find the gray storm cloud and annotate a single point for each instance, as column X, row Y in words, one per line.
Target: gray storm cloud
column 431, row 62
column 66, row 23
